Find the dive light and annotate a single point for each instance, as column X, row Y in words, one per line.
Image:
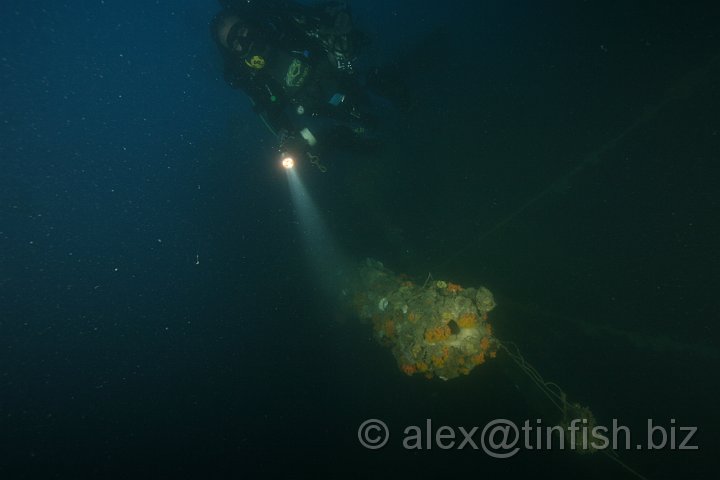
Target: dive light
column 287, row 162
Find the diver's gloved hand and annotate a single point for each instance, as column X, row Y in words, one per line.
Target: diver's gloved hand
column 291, row 142
column 300, row 145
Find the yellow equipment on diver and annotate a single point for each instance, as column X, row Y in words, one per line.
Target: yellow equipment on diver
column 257, row 62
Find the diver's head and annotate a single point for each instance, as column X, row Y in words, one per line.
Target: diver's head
column 232, row 33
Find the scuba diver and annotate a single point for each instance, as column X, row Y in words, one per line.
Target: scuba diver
column 296, row 62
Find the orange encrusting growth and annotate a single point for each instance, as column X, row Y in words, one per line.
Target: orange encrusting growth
column 479, row 359
column 439, row 360
column 437, row 334
column 467, row 320
column 435, row 330
column 389, row 328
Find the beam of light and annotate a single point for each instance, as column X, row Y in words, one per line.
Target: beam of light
column 322, row 251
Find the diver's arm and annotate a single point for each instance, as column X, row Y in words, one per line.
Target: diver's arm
column 271, row 107
column 268, row 102
column 275, row 119
column 291, row 141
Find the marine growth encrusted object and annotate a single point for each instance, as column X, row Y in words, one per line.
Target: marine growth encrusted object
column 438, row 329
